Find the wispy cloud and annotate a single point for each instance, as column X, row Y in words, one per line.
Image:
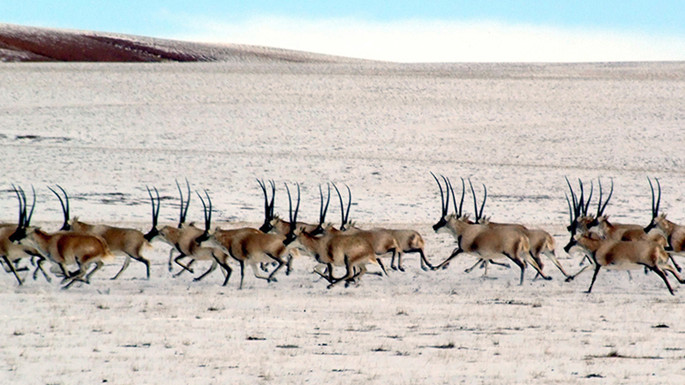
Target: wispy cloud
column 439, row 41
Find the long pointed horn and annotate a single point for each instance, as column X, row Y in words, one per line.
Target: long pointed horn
column 581, row 198
column 573, row 197
column 485, row 198
column 589, row 198
column 454, row 199
column 266, row 199
column 606, row 202
column 651, row 186
column 658, row 200
column 570, row 209
column 65, row 207
column 185, row 210
column 447, row 193
column 342, row 207
column 475, row 204
column 443, row 209
column 463, row 194
column 349, row 204
column 324, row 209
column 155, row 207
column 297, row 207
column 273, row 196
column 207, row 209
column 22, row 210
column 27, row 218
column 181, row 218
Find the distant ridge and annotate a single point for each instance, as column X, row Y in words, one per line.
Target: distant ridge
column 33, row 44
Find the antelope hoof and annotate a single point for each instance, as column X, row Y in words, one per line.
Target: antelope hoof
column 547, row 278
column 569, row 279
column 401, row 269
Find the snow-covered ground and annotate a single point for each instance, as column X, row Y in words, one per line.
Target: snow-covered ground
column 106, row 131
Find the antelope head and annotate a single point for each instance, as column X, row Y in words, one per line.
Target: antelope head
column 268, row 206
column 293, row 233
column 444, row 204
column 600, row 206
column 345, row 214
column 155, row 215
column 65, row 207
column 24, row 219
column 655, row 207
column 577, row 208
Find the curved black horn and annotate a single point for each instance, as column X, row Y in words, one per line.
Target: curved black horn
column 349, row 204
column 22, row 209
column 181, row 215
column 570, row 209
column 589, row 198
column 273, row 196
column 454, row 199
column 342, row 208
column 324, row 209
column 293, row 215
column 27, row 219
column 155, row 207
column 606, row 202
column 65, row 206
column 475, row 204
column 442, row 196
column 485, row 198
column 655, row 206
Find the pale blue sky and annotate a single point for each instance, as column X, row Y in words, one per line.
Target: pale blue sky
column 453, row 30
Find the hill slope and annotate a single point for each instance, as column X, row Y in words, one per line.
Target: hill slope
column 31, row 44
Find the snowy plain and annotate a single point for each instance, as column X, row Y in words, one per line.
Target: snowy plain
column 106, row 131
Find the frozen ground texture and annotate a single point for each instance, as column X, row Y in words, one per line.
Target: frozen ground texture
column 105, row 131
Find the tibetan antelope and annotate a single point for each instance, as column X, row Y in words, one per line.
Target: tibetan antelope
column 674, row 233
column 620, row 231
column 541, row 242
column 334, row 249
column 275, row 224
column 624, row 255
column 397, row 242
column 279, row 226
column 486, row 242
column 126, row 241
column 63, row 247
column 382, row 240
column 11, row 253
column 182, row 238
column 252, row 247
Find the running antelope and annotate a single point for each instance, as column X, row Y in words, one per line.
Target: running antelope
column 382, row 240
column 182, row 238
column 63, row 247
column 616, row 254
column 334, row 249
column 12, row 253
column 252, row 247
column 273, row 223
column 541, row 242
column 620, row 231
column 486, row 242
column 674, row 233
column 126, row 241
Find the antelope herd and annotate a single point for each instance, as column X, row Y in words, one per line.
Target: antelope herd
column 77, row 245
